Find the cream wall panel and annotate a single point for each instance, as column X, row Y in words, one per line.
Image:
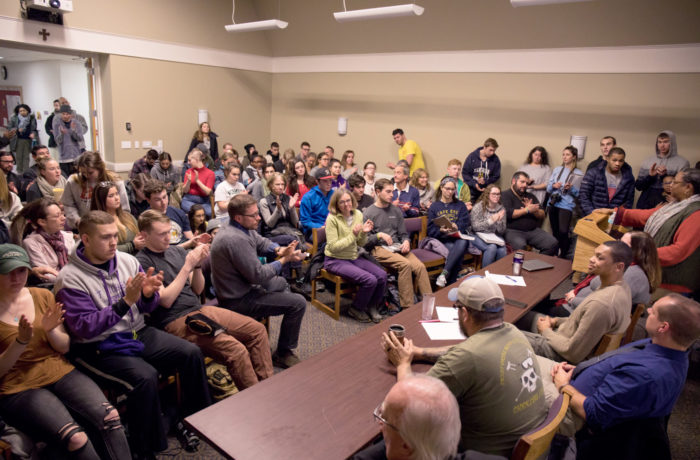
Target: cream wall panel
column 451, row 114
column 161, row 100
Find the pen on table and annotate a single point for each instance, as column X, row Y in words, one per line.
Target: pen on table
column 429, row 321
column 512, row 279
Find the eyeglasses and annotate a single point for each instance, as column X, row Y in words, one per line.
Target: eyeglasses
column 345, row 202
column 457, row 305
column 106, row 184
column 379, row 416
column 7, row 161
column 254, row 216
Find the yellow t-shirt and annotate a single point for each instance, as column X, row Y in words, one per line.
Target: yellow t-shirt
column 411, row 148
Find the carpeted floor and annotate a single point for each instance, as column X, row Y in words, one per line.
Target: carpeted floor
column 320, row 331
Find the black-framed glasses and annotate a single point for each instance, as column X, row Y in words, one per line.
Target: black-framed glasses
column 251, row 215
column 379, row 416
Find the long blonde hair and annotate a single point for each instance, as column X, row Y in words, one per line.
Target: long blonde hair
column 5, row 195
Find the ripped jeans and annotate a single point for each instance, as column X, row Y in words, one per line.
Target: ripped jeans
column 45, row 415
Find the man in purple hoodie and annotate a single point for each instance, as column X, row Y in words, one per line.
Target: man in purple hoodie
column 481, row 168
column 105, row 294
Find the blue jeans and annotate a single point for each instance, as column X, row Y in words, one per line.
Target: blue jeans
column 491, row 252
column 189, row 200
column 457, row 247
column 43, row 412
column 370, row 278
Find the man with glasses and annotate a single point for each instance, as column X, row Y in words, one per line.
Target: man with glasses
column 419, row 418
column 243, row 284
column 493, row 374
column 7, row 162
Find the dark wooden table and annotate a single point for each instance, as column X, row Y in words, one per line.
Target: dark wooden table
column 322, row 407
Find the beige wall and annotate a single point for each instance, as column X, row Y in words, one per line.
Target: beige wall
column 194, row 22
column 451, row 114
column 161, row 99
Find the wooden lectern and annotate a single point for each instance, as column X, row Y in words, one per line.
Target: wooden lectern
column 592, row 232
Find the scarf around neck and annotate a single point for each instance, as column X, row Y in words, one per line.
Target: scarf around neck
column 659, row 218
column 46, row 189
column 56, row 242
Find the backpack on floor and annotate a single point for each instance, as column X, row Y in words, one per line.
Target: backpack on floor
column 220, row 381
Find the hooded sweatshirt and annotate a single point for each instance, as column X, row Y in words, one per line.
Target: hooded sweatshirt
column 652, row 186
column 94, row 298
column 490, row 170
column 172, row 174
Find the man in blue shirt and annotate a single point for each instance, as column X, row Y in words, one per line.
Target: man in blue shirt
column 405, row 196
column 634, row 385
column 313, row 209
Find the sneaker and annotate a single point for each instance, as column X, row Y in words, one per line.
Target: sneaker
column 359, row 315
column 374, row 315
column 441, row 280
column 188, row 440
column 286, row 360
column 301, row 288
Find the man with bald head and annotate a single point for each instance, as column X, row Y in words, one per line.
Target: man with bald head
column 621, row 400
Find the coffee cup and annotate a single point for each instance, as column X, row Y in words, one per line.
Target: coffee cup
column 399, row 331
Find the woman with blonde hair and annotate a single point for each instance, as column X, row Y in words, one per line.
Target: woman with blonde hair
column 106, row 198
column 347, row 163
column 77, row 196
column 48, row 182
column 10, row 203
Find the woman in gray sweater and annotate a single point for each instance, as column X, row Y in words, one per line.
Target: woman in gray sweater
column 489, row 216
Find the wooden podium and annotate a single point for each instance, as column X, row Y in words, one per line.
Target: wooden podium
column 592, row 232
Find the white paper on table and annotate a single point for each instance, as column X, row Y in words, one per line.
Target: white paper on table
column 443, row 331
column 446, row 314
column 506, row 280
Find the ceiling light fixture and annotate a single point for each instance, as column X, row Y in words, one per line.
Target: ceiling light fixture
column 517, row 3
column 268, row 24
column 382, row 12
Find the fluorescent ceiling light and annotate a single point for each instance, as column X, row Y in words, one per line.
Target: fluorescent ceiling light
column 379, row 13
column 270, row 24
column 517, row 3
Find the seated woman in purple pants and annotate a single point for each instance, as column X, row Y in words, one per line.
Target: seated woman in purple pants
column 345, row 233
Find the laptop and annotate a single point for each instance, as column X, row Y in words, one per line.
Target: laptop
column 535, row 265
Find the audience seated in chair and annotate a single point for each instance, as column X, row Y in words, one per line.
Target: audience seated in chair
column 447, row 205
column 77, row 196
column 157, row 197
column 345, row 236
column 106, row 198
column 48, row 183
column 165, row 171
column 198, row 183
column 243, row 346
column 390, row 246
column 314, row 205
column 106, row 294
column 405, row 196
column 243, row 284
column 494, row 374
column 145, row 164
column 620, row 401
column 454, row 166
column 524, row 217
column 37, row 384
column 605, row 311
column 489, row 216
column 356, row 185
column 40, row 226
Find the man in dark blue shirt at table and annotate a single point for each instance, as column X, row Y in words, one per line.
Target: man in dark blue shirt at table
column 621, row 400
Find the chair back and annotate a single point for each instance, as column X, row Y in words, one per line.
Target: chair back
column 535, row 443
column 608, row 343
column 414, row 228
column 636, row 314
column 318, row 237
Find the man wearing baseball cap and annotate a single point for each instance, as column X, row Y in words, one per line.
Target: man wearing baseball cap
column 314, row 206
column 493, row 374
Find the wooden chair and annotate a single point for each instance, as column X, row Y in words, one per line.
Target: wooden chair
column 609, row 342
column 636, row 314
column 341, row 285
column 536, row 443
column 434, row 263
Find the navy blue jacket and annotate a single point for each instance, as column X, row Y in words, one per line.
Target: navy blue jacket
column 594, row 189
column 412, row 197
column 455, row 211
column 491, row 170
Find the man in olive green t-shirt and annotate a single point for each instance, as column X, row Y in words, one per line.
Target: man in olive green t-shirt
column 493, row 374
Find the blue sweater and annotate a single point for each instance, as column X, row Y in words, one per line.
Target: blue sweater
column 455, row 211
column 314, row 208
column 594, row 190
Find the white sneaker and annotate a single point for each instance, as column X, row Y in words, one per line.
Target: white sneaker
column 441, row 280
